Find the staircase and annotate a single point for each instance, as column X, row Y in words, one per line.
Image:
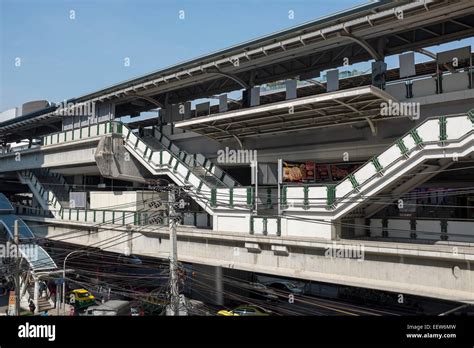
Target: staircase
column 404, row 165
column 405, row 184
column 54, row 198
column 197, row 169
column 44, row 303
column 202, row 166
column 56, row 184
column 50, row 190
column 208, row 183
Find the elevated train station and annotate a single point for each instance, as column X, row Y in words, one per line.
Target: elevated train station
column 380, row 159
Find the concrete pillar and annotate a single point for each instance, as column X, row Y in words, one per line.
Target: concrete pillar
column 360, row 227
column 36, row 296
column 291, row 89
column 23, row 285
column 57, row 298
column 379, row 72
column 251, row 97
column 336, row 230
column 223, row 105
column 77, row 179
column 219, row 286
column 332, row 78
column 208, row 284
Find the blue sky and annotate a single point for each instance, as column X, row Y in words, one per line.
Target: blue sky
column 62, row 58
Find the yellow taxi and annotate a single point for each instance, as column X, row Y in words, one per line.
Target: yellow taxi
column 249, row 310
column 81, row 298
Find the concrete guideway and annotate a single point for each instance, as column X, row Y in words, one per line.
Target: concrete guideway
column 306, row 208
column 67, row 148
column 448, row 137
column 441, row 270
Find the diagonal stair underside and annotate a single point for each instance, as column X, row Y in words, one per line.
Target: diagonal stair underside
column 442, row 140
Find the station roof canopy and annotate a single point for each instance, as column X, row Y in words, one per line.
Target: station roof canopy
column 369, row 31
column 322, row 110
column 35, row 255
column 5, row 206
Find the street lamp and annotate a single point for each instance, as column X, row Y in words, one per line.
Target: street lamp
column 64, row 277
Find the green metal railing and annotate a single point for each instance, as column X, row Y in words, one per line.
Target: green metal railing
column 264, row 220
column 331, row 195
column 379, row 169
column 442, row 128
column 190, row 161
column 84, row 132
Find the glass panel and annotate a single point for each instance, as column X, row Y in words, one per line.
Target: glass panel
column 5, row 205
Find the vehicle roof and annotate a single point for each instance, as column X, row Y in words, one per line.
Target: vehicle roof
column 112, row 305
column 250, row 306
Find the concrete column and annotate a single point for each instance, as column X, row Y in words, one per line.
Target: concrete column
column 23, row 285
column 336, row 230
column 208, row 285
column 36, row 296
column 360, row 227
column 379, row 72
column 219, row 286
column 77, row 179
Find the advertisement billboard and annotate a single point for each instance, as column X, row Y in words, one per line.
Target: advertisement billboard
column 298, row 171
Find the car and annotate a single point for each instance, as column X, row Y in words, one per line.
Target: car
column 136, row 312
column 262, row 292
column 112, row 308
column 129, row 259
column 80, row 298
column 246, row 311
column 136, row 309
column 286, row 286
column 88, row 311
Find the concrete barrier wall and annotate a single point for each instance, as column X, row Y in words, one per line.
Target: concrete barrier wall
column 426, row 229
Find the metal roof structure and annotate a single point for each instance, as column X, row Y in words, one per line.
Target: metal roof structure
column 35, row 255
column 305, row 49
column 322, row 110
column 8, row 221
column 5, row 206
column 423, row 69
column 369, row 31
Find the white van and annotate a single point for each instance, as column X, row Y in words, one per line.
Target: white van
column 112, row 307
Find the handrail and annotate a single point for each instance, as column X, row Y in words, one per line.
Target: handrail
column 58, row 176
column 194, row 161
column 399, row 142
column 60, row 212
column 332, row 199
column 29, row 175
column 83, row 134
column 176, row 158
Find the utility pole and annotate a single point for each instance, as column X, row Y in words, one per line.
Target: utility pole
column 173, row 252
column 254, row 174
column 17, row 262
column 280, row 180
column 63, row 293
